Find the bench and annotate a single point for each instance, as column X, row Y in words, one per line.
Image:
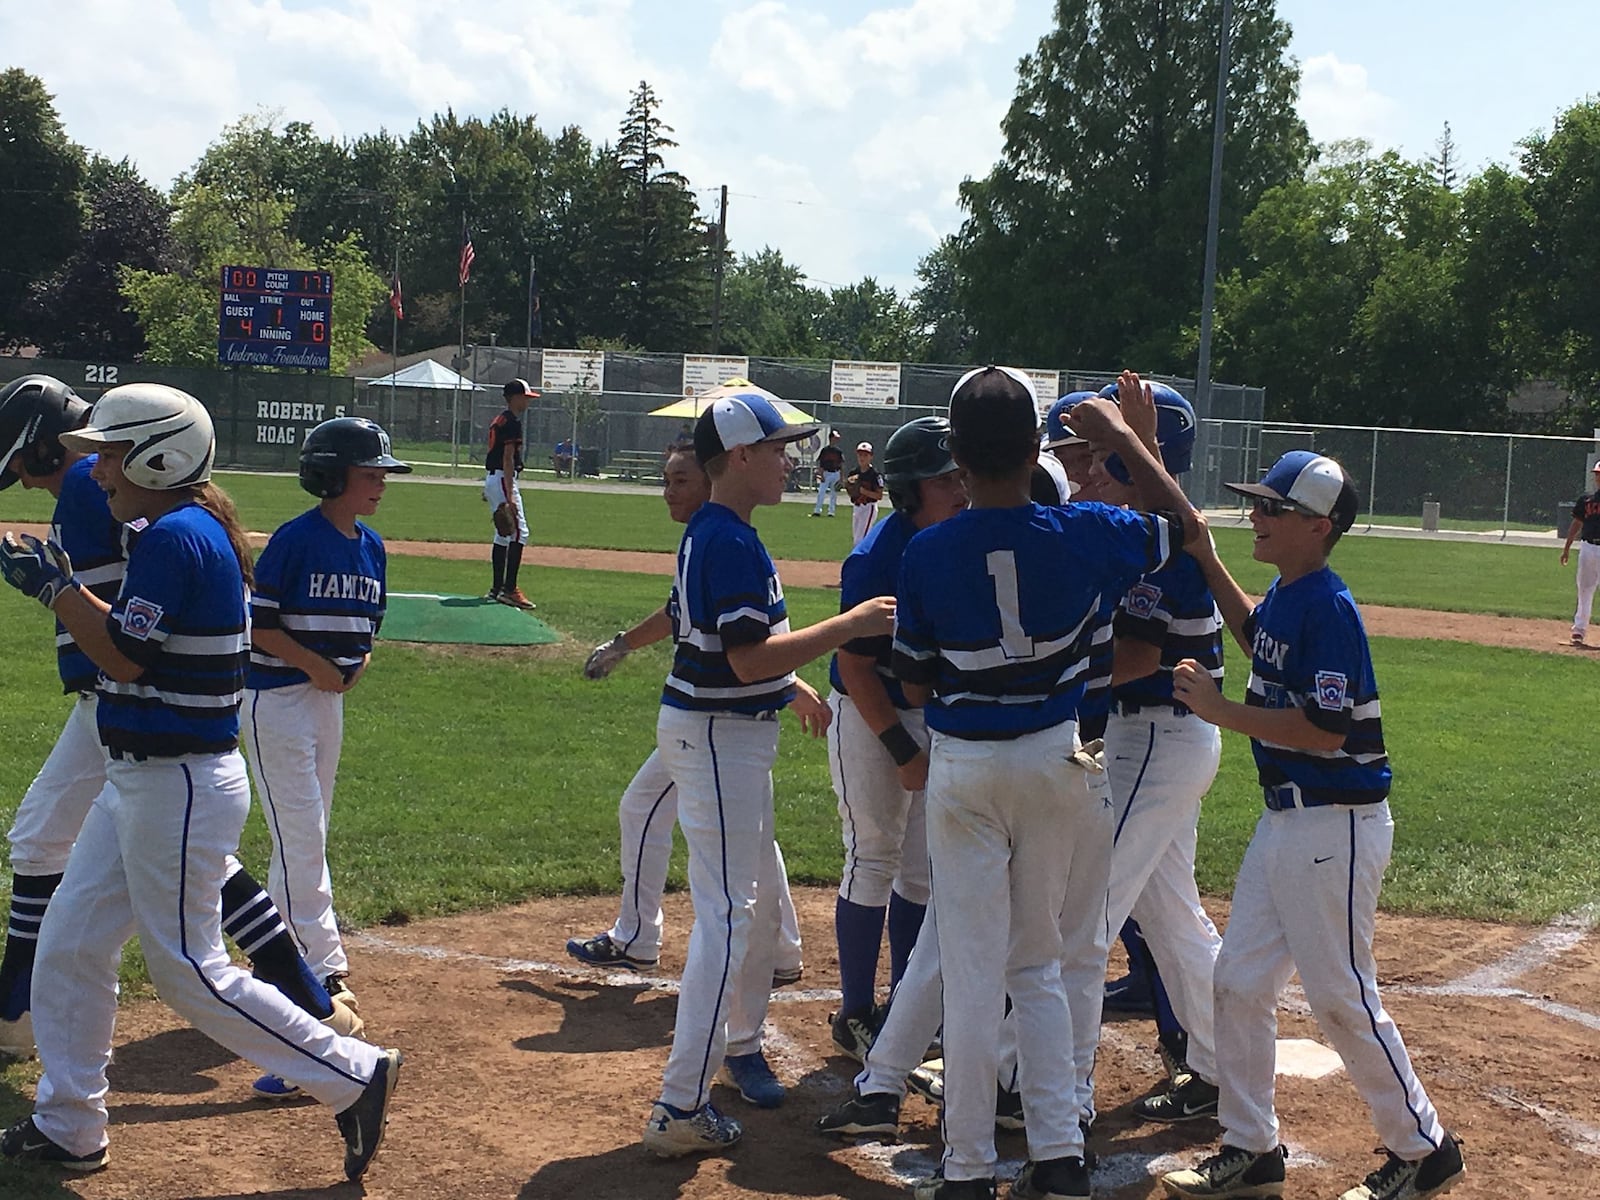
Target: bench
column 637, row 466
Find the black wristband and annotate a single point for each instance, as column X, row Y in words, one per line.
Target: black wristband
column 902, row 747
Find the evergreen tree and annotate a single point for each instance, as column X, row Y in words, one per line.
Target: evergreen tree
column 1443, row 159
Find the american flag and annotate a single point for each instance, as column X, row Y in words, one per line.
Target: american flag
column 396, row 301
column 467, row 257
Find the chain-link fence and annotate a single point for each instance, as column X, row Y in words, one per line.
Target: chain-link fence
column 1416, row 477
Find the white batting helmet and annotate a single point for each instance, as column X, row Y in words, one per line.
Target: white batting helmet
column 171, row 432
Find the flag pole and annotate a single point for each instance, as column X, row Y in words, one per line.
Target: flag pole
column 461, row 358
column 394, row 339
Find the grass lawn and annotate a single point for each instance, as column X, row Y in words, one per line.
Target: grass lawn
column 1456, row 576
column 430, row 820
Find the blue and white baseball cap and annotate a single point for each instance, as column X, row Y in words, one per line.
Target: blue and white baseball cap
column 1312, row 483
column 746, row 417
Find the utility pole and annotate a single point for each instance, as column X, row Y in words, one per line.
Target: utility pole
column 717, row 271
column 1208, row 287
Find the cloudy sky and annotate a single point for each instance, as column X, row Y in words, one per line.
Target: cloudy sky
column 842, row 127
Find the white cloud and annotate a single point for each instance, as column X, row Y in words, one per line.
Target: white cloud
column 1338, row 101
column 801, row 60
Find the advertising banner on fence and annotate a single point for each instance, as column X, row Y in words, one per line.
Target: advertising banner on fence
column 1048, row 385
column 572, row 371
column 702, row 372
column 872, row 384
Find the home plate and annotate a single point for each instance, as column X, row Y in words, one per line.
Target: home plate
column 1307, row 1059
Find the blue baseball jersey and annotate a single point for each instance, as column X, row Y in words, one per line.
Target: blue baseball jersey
column 873, row 569
column 98, row 545
column 1309, row 651
column 996, row 609
column 325, row 590
column 1095, row 706
column 726, row 593
column 1171, row 608
column 181, row 616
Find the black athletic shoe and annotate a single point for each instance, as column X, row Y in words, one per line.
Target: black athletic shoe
column 24, row 1143
column 1228, row 1174
column 854, row 1035
column 1398, row 1179
column 875, row 1115
column 1052, row 1179
column 937, row 1187
column 1190, row 1099
column 362, row 1124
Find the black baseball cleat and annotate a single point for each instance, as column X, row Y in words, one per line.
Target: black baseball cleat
column 24, row 1143
column 1052, row 1179
column 1190, row 1099
column 1232, row 1173
column 875, row 1115
column 1398, row 1179
column 362, row 1124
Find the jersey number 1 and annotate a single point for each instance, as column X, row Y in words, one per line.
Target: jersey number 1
column 1014, row 640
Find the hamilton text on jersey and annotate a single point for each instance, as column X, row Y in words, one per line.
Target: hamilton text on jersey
column 323, row 586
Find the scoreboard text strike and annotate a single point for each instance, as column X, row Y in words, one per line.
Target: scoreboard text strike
column 273, row 318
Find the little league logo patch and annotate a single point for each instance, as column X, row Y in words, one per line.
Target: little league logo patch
column 1142, row 599
column 1331, row 687
column 140, row 618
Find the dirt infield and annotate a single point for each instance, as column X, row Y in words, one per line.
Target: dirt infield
column 527, row 1076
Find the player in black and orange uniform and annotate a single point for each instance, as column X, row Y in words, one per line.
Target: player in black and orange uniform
column 1585, row 525
column 502, row 465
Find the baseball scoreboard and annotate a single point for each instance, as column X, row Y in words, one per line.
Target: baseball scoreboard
column 274, row 318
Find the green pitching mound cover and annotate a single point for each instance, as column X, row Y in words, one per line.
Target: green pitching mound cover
column 461, row 620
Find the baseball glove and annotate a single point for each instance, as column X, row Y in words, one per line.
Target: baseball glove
column 505, row 520
column 605, row 657
column 852, row 488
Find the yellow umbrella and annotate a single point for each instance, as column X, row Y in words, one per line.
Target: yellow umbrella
column 690, row 407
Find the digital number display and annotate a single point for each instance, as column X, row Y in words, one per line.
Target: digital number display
column 274, row 318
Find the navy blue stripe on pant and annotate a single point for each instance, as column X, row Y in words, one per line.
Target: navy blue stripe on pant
column 205, row 981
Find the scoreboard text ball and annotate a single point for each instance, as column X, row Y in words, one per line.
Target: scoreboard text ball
column 274, row 318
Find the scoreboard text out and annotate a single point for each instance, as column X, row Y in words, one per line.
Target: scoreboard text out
column 274, row 318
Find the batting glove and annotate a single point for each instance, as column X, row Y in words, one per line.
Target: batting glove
column 606, row 656
column 38, row 569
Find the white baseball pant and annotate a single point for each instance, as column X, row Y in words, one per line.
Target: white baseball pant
column 884, row 826
column 494, row 493
column 293, row 736
column 151, row 861
column 1588, row 580
column 646, row 814
column 1306, row 899
column 57, row 801
column 861, row 518
column 1020, row 848
column 1160, row 766
column 722, row 764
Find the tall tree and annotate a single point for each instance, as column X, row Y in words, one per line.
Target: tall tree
column 40, row 207
column 939, row 309
column 1443, row 160
column 665, row 251
column 78, row 311
column 1084, row 244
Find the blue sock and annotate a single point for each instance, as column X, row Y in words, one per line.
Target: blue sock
column 1166, row 1020
column 859, row 931
column 251, row 919
column 30, row 895
column 905, row 922
column 1140, row 965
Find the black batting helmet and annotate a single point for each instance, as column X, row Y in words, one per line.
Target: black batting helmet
column 916, row 451
column 34, row 412
column 336, row 445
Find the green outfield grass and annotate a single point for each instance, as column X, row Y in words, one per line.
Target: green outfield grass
column 1471, row 577
column 472, row 780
